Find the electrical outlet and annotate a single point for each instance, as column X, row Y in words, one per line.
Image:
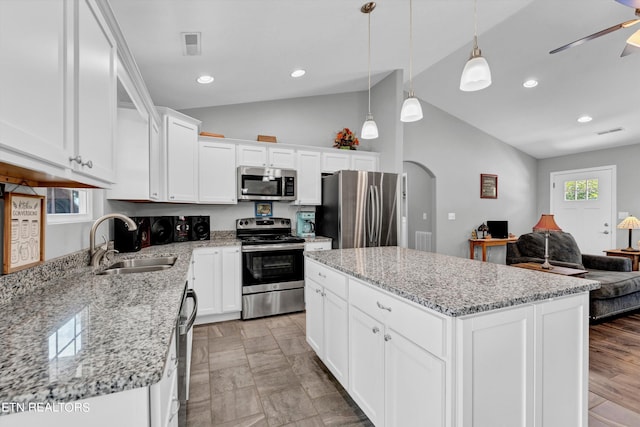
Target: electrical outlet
column 424, row 216
column 452, row 216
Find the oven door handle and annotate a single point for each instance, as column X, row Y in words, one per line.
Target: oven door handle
column 274, row 247
column 184, row 328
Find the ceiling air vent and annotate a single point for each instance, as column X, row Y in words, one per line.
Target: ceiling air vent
column 190, row 44
column 604, row 132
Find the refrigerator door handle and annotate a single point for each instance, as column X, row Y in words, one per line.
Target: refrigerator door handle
column 371, row 216
column 379, row 225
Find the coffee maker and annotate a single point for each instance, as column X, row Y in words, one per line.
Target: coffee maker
column 306, row 224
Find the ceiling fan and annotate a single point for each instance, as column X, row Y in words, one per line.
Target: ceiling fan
column 633, row 42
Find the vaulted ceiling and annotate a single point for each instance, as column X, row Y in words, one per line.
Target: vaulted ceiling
column 251, row 47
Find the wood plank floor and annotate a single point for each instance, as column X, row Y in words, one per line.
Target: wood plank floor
column 263, row 373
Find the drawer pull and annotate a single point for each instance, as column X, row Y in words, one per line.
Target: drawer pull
column 382, row 307
column 375, row 330
column 387, row 337
column 318, row 291
column 324, row 276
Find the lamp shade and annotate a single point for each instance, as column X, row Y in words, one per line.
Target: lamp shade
column 629, row 223
column 369, row 128
column 411, row 110
column 476, row 74
column 546, row 223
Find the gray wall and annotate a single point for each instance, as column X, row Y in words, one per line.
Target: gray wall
column 627, row 161
column 386, row 101
column 457, row 153
column 303, row 121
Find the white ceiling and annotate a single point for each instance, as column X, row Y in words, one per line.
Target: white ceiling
column 251, row 46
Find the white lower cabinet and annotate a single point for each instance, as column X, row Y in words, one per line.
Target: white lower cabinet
column 217, row 282
column 327, row 319
column 519, row 366
column 324, row 245
column 395, row 379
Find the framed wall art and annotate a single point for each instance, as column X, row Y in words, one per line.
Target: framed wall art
column 24, row 219
column 488, row 186
column 264, row 209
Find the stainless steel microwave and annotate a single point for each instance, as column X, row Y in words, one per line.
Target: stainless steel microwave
column 256, row 183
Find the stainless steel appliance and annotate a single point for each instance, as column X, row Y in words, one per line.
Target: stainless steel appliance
column 184, row 331
column 306, row 224
column 272, row 267
column 358, row 209
column 266, row 184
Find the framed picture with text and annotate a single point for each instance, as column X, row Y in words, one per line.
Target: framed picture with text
column 488, row 186
column 24, row 218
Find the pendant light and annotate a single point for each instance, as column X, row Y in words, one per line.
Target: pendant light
column 369, row 128
column 476, row 74
column 411, row 109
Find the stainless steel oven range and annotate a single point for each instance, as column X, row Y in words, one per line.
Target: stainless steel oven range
column 272, row 267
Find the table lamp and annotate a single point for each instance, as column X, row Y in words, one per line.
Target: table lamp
column 483, row 228
column 629, row 223
column 546, row 225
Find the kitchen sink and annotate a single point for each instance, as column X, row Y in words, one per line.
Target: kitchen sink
column 140, row 265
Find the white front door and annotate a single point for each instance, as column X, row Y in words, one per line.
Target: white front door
column 583, row 203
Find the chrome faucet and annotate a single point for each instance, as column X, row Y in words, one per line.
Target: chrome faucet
column 98, row 253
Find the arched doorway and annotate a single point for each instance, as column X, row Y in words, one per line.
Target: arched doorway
column 418, row 207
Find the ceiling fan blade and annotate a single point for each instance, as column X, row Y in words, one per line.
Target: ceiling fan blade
column 596, row 35
column 631, row 3
column 629, row 49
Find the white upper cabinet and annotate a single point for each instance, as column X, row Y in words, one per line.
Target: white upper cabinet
column 217, row 172
column 364, row 162
column 33, row 49
column 252, row 155
column 261, row 156
column 96, row 84
column 157, row 185
column 335, row 161
column 284, row 158
column 309, row 178
column 181, row 142
column 58, row 87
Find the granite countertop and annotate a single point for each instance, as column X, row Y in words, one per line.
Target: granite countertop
column 450, row 285
column 77, row 334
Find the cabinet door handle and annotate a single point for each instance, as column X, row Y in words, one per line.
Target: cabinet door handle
column 387, row 337
column 170, row 371
column 318, row 291
column 375, row 330
column 382, row 307
column 88, row 164
column 77, row 159
column 175, row 409
column 324, row 276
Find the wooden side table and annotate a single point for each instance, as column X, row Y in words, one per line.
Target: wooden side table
column 633, row 256
column 484, row 244
column 564, row 271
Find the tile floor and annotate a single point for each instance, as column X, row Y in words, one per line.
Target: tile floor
column 262, row 372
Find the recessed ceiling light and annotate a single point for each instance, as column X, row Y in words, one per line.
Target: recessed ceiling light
column 530, row 83
column 205, row 79
column 584, row 119
column 298, row 73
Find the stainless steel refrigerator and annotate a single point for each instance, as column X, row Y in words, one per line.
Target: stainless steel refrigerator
column 358, row 209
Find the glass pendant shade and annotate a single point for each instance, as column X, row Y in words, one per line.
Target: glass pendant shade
column 411, row 110
column 369, row 128
column 476, row 74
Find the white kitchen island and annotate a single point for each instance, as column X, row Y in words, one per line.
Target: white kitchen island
column 421, row 339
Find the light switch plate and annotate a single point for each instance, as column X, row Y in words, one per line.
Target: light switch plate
column 623, row 215
column 452, row 216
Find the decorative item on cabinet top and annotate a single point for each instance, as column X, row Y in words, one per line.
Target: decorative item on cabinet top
column 267, row 138
column 346, row 140
column 213, row 135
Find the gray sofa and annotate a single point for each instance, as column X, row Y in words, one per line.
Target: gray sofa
column 620, row 287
